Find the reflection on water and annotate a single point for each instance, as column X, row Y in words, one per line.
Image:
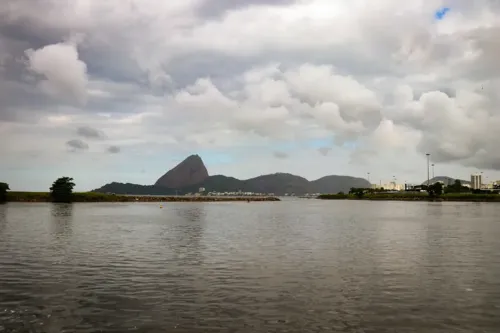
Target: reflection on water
column 61, row 219
column 297, row 266
column 3, row 214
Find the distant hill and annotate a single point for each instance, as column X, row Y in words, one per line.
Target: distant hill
column 445, row 180
column 128, row 188
column 277, row 183
column 335, row 184
column 189, row 172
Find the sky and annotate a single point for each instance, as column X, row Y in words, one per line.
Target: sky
column 122, row 91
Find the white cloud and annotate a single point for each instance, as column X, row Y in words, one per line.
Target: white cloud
column 64, row 74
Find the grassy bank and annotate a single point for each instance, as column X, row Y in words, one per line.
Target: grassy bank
column 101, row 197
column 405, row 196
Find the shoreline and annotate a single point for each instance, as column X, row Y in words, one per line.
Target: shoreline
column 450, row 197
column 100, row 197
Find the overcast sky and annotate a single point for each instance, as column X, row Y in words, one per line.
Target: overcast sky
column 123, row 90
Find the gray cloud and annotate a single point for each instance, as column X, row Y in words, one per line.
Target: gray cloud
column 113, row 149
column 280, row 155
column 324, row 150
column 77, row 145
column 217, row 8
column 90, row 132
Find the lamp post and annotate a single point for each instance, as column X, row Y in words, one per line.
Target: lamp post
column 368, row 177
column 428, row 155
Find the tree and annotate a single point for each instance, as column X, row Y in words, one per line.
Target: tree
column 4, row 187
column 456, row 187
column 359, row 192
column 435, row 189
column 62, row 189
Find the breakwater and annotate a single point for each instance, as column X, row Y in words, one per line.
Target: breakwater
column 101, row 197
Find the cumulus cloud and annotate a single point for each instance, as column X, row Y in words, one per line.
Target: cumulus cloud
column 172, row 78
column 64, row 75
column 277, row 104
column 77, row 145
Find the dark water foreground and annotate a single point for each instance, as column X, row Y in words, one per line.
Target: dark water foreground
column 290, row 266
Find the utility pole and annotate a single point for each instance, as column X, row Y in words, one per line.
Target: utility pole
column 433, row 170
column 428, row 169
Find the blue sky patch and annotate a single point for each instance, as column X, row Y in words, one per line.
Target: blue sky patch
column 352, row 145
column 214, row 158
column 441, row 13
column 319, row 143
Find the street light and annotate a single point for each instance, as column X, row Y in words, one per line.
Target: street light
column 369, row 177
column 427, row 168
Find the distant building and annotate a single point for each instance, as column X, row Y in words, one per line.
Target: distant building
column 475, row 181
column 393, row 186
column 489, row 186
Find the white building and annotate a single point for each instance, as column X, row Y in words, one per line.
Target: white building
column 475, row 181
column 393, row 186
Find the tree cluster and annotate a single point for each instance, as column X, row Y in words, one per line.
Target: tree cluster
column 4, row 187
column 62, row 190
column 435, row 189
column 457, row 187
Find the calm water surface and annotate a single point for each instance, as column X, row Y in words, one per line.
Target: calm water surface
column 291, row 266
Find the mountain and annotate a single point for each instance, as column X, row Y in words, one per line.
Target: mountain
column 191, row 174
column 128, row 188
column 445, row 180
column 278, row 183
column 335, row 184
column 191, row 171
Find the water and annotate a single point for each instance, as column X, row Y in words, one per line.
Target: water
column 291, row 266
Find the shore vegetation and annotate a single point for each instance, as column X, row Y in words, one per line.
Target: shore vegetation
column 4, row 187
column 434, row 192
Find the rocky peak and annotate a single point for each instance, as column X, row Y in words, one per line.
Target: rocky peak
column 189, row 172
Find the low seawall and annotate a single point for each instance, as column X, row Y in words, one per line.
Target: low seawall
column 197, row 198
column 99, row 197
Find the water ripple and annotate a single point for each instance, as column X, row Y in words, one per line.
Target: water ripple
column 290, row 266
